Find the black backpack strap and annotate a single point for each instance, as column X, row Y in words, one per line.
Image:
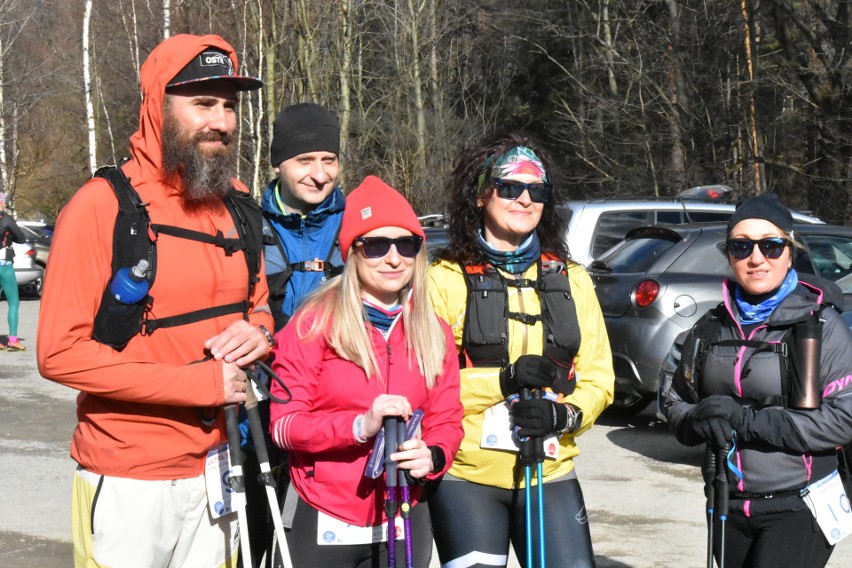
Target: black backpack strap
column 248, row 221
column 132, row 222
column 698, row 341
column 151, row 325
column 315, row 265
column 229, row 245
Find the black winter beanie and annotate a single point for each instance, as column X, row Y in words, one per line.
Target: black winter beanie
column 303, row 128
column 768, row 207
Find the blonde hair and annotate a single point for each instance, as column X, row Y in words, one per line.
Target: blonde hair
column 339, row 317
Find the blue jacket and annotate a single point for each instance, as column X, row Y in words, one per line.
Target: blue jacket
column 304, row 239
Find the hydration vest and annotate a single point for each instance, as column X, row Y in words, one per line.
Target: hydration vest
column 485, row 342
column 135, row 238
column 705, row 335
column 277, row 281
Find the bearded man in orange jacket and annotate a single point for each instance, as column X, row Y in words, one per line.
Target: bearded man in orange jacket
column 150, row 431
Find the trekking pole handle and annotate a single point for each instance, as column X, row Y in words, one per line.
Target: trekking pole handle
column 710, row 464
column 232, row 426
column 722, row 481
column 527, row 445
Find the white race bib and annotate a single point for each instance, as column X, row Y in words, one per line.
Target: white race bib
column 221, row 498
column 334, row 531
column 830, row 506
column 497, row 432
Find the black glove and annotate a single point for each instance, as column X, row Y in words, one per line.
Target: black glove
column 534, row 372
column 539, row 417
column 721, row 406
column 715, row 418
column 714, row 430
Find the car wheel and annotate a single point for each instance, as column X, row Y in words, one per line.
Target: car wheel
column 628, row 405
column 33, row 289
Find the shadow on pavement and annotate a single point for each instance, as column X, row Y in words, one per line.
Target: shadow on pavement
column 604, row 562
column 649, row 436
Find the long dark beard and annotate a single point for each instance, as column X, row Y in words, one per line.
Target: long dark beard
column 206, row 175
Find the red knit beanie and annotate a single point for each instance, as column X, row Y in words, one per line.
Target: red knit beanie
column 372, row 205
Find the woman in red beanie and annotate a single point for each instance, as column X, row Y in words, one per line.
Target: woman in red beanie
column 365, row 346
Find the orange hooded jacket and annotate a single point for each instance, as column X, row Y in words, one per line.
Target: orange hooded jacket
column 140, row 410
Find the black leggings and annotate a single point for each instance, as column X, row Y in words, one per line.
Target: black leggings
column 768, row 540
column 473, row 524
column 305, row 552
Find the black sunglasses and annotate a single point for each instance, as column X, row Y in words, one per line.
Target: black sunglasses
column 772, row 247
column 377, row 247
column 540, row 192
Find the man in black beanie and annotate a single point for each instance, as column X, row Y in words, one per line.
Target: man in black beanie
column 303, row 206
column 302, row 209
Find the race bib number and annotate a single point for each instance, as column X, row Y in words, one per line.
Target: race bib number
column 497, row 432
column 221, row 498
column 830, row 507
column 332, row 531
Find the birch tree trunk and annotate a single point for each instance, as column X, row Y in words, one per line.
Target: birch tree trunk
column 167, row 19
column 752, row 110
column 87, row 88
column 4, row 166
column 677, row 96
column 132, row 29
column 417, row 87
column 344, row 110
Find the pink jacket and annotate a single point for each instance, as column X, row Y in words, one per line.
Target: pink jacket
column 326, row 461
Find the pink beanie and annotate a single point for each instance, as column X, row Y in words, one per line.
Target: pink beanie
column 372, row 205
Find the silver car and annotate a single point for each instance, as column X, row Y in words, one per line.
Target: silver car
column 658, row 281
column 28, row 273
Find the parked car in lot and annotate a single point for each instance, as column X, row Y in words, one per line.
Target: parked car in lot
column 660, row 280
column 593, row 227
column 40, row 237
column 28, row 273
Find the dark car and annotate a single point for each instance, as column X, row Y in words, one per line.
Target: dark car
column 659, row 280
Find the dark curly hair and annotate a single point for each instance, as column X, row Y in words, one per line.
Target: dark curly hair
column 465, row 217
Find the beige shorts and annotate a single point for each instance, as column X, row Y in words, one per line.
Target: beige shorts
column 118, row 522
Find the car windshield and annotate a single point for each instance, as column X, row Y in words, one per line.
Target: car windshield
column 636, row 255
column 831, row 255
column 34, row 233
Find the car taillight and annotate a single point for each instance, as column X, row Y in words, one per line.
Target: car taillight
column 646, row 292
column 30, row 252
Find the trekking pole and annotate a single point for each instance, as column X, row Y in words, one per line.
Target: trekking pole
column 722, row 499
column 405, row 502
column 266, row 477
column 391, row 445
column 710, row 460
column 539, row 467
column 236, row 480
column 527, row 454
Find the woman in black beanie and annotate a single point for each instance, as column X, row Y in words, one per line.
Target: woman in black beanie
column 765, row 382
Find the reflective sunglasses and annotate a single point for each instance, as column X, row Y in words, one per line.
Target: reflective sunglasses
column 772, row 247
column 540, row 192
column 377, row 247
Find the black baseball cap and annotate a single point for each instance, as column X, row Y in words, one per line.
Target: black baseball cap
column 213, row 65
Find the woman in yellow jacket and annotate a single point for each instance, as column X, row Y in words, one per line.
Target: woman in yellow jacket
column 525, row 317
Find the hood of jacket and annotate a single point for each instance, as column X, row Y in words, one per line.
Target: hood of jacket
column 334, row 203
column 164, row 62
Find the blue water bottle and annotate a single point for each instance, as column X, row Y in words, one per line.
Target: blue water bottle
column 130, row 285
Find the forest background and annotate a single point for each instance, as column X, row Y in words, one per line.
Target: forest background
column 632, row 97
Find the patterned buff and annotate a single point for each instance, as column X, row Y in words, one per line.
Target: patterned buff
column 751, row 313
column 381, row 318
column 516, row 261
column 519, row 160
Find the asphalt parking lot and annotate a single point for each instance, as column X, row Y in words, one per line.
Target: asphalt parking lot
column 642, row 489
